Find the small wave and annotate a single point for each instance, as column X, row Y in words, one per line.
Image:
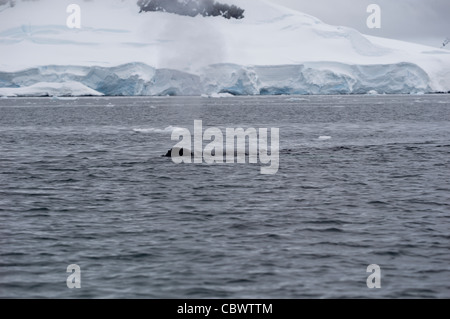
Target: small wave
column 64, row 98
column 150, row 130
column 296, row 99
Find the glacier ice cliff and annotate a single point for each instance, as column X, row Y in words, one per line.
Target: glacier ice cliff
column 272, row 50
column 140, row 79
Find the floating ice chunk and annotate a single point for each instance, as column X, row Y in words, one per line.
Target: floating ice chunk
column 220, row 95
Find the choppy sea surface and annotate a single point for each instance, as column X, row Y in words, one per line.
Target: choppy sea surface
column 362, row 180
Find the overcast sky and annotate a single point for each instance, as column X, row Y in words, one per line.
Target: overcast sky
column 423, row 21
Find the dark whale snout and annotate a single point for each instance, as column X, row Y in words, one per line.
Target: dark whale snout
column 181, row 152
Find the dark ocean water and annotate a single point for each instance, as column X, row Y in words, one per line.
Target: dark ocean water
column 83, row 182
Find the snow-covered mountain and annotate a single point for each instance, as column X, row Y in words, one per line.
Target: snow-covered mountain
column 272, row 50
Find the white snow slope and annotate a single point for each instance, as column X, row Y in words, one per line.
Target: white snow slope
column 273, row 50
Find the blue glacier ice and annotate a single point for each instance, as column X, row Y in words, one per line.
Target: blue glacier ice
column 138, row 79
